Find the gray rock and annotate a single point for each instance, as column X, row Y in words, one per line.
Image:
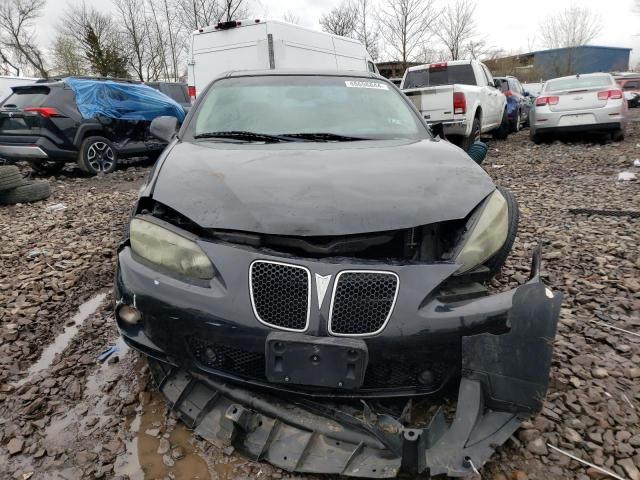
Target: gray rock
column 538, row 446
column 164, row 446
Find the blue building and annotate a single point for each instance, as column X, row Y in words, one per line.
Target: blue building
column 584, row 59
column 557, row 62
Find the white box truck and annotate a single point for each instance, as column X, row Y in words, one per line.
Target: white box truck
column 268, row 44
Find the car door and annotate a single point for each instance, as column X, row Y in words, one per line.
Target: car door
column 496, row 97
column 488, row 112
column 493, row 98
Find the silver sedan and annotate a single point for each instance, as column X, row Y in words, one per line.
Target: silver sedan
column 593, row 102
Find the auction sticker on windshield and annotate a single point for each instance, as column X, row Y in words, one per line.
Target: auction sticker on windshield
column 366, row 84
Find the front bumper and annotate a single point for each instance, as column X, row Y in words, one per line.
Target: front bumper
column 496, row 350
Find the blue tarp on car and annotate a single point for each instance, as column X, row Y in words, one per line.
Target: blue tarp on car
column 124, row 101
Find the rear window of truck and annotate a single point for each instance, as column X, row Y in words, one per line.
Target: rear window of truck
column 461, row 74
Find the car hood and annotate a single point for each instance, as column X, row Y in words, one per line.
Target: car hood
column 320, row 189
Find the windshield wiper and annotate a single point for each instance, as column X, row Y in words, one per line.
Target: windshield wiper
column 324, row 137
column 246, row 136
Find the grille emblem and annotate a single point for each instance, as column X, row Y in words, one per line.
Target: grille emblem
column 322, row 283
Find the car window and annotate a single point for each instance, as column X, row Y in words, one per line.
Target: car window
column 280, row 105
column 502, row 84
column 176, row 92
column 440, row 75
column 631, row 85
column 27, row 97
column 515, row 86
column 371, row 66
column 577, row 82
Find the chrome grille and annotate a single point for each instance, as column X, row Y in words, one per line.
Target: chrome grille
column 362, row 302
column 280, row 294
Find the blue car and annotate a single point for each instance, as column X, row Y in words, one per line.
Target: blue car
column 518, row 101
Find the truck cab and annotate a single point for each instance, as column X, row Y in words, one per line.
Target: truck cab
column 458, row 98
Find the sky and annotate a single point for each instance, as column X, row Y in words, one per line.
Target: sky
column 510, row 25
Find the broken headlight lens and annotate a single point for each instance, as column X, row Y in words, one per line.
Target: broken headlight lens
column 487, row 232
column 169, row 250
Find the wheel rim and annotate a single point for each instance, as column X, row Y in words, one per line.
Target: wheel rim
column 100, row 157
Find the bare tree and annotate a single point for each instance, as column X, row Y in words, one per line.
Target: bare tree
column 477, row 49
column 134, row 34
column 572, row 27
column 18, row 43
column 233, row 10
column 196, row 14
column 67, row 58
column 291, row 17
column 405, row 24
column 456, row 27
column 366, row 30
column 341, row 20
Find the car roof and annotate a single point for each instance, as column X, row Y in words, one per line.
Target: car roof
column 306, row 73
column 597, row 74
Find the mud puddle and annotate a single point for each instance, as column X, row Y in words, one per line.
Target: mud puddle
column 61, row 342
column 142, row 459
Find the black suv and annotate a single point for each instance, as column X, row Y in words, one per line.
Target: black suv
column 46, row 124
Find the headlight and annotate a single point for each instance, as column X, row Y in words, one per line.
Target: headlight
column 487, row 233
column 169, row 250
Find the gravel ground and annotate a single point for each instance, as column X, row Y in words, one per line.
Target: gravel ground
column 63, row 415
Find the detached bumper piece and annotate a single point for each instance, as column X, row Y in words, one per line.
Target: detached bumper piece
column 504, row 379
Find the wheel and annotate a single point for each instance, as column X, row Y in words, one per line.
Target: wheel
column 29, row 191
column 502, row 132
column 465, row 142
column 97, row 155
column 47, row 167
column 617, row 135
column 515, row 126
column 535, row 137
column 9, row 177
column 495, row 263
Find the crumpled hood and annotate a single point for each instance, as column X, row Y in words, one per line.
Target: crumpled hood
column 320, row 189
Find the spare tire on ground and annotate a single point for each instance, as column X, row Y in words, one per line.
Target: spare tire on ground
column 28, row 191
column 9, row 177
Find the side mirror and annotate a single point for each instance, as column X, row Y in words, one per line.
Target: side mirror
column 526, row 94
column 164, row 128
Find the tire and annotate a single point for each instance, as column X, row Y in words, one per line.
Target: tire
column 9, row 177
column 617, row 135
column 47, row 167
column 495, row 263
column 535, row 137
column 29, row 191
column 502, row 132
column 465, row 142
column 515, row 126
column 97, row 155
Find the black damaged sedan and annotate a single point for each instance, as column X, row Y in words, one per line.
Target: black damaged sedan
column 306, row 259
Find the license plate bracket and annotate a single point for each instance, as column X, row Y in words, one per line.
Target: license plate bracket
column 298, row 359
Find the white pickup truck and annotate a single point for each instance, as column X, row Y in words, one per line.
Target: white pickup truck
column 460, row 97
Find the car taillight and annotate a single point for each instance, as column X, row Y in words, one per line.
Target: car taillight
column 541, row 101
column 459, row 103
column 610, row 94
column 46, row 112
column 191, row 90
column 508, row 93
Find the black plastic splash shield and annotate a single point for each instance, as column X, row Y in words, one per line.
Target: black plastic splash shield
column 370, row 445
column 500, row 385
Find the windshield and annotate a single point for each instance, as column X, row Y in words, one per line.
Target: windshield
column 340, row 108
column 577, row 83
column 445, row 75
